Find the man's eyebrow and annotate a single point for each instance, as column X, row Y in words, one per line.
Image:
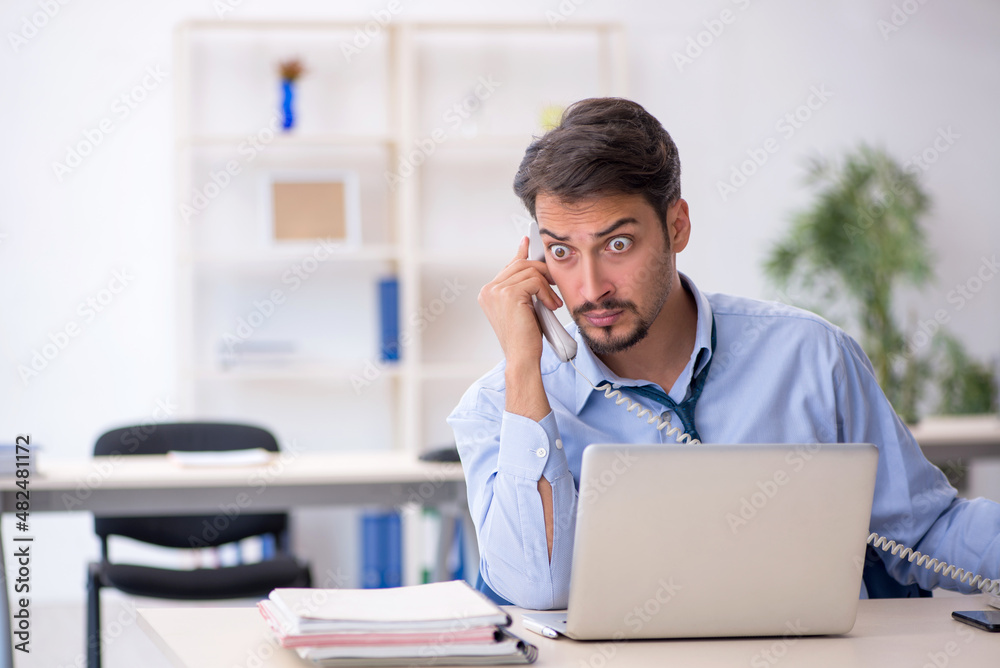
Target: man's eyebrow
column 614, row 226
column 554, row 236
column 596, row 235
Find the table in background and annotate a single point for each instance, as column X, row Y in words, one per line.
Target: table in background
column 152, row 484
column 888, row 632
column 948, row 437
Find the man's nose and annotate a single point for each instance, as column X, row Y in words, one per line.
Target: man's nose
column 594, row 286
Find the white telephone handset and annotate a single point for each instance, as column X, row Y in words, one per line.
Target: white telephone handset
column 562, row 343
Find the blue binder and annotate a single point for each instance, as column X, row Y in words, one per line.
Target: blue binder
column 388, row 297
column 381, row 550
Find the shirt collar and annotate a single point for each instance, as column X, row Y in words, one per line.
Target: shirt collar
column 590, row 366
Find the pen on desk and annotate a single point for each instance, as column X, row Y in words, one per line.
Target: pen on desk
column 540, row 629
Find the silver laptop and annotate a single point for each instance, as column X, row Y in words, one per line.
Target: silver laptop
column 717, row 540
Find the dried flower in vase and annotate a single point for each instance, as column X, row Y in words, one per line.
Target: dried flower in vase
column 291, row 69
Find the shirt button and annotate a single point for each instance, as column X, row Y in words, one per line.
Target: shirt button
column 558, row 444
column 541, row 452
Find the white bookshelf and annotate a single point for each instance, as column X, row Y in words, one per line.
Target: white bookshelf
column 452, row 221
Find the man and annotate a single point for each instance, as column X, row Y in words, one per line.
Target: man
column 604, row 188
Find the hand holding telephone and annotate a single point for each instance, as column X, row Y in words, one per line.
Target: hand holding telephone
column 564, row 347
column 562, row 343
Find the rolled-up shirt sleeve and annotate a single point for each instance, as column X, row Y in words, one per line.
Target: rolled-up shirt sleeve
column 914, row 503
column 504, row 455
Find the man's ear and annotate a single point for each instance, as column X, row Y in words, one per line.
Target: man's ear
column 678, row 225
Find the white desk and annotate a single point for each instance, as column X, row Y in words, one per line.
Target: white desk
column 958, row 436
column 145, row 484
column 138, row 484
column 895, row 632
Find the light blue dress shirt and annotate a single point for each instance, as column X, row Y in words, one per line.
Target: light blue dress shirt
column 779, row 375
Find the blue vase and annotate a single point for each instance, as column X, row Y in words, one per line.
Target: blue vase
column 287, row 100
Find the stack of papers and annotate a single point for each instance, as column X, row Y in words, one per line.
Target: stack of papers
column 197, row 458
column 444, row 623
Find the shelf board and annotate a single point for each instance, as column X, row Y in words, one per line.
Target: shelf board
column 290, row 140
column 295, row 371
column 284, row 256
column 455, row 370
column 272, row 25
column 485, row 261
column 516, row 26
column 518, row 142
column 430, row 26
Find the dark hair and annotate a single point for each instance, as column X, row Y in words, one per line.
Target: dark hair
column 602, row 146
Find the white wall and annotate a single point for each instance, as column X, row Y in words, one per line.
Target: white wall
column 62, row 241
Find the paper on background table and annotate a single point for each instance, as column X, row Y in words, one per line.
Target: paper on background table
column 250, row 457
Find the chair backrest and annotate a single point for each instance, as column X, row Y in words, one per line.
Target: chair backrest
column 187, row 530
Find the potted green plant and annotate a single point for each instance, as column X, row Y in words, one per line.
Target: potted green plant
column 967, row 385
column 857, row 243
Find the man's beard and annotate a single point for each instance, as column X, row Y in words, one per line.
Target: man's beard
column 609, row 344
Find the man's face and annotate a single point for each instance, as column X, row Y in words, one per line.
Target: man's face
column 612, row 262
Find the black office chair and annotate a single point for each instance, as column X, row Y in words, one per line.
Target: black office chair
column 241, row 581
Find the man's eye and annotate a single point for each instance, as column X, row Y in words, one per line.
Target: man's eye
column 620, row 244
column 558, row 252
